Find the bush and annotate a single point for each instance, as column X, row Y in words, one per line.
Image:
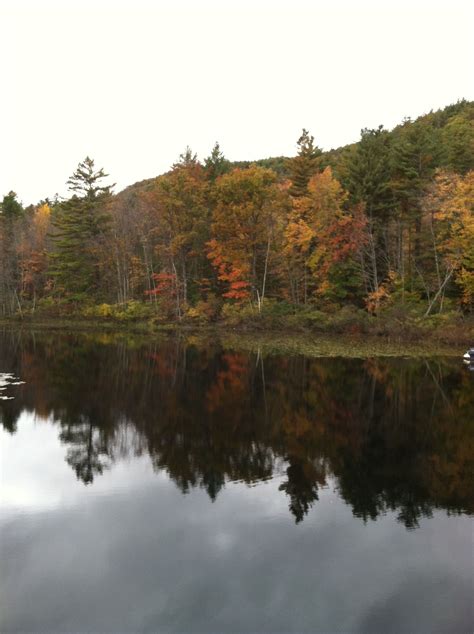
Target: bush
column 55, row 307
column 129, row 311
column 235, row 314
column 134, row 310
column 205, row 310
column 350, row 319
column 272, row 307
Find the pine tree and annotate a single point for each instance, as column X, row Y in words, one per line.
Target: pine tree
column 458, row 142
column 366, row 173
column 304, row 164
column 216, row 164
column 11, row 216
column 414, row 156
column 10, row 207
column 188, row 158
column 78, row 225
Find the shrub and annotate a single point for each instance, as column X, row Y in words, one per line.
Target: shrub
column 130, row 311
column 135, row 310
column 234, row 313
column 205, row 310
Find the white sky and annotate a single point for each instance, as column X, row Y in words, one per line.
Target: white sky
column 132, row 82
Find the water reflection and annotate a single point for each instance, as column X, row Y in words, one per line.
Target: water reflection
column 393, row 434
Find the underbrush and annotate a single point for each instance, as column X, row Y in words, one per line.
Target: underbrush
column 402, row 322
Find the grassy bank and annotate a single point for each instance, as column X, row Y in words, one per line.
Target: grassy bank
column 392, row 331
column 259, row 342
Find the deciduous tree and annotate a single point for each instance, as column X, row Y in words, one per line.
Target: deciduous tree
column 246, row 224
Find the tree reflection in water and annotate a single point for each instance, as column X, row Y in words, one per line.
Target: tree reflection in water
column 394, row 434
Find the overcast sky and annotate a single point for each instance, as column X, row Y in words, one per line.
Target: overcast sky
column 131, row 83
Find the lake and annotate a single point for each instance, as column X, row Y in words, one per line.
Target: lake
column 193, row 484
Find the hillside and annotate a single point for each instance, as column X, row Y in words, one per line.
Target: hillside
column 456, row 120
column 380, row 231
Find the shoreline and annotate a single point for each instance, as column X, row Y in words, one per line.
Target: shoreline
column 308, row 341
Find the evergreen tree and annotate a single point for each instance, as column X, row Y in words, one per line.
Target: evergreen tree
column 366, row 172
column 414, row 156
column 458, row 142
column 11, row 217
column 304, row 164
column 366, row 175
column 216, row 164
column 188, row 158
column 10, row 207
column 78, row 225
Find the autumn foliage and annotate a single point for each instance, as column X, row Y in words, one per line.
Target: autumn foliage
column 227, row 272
column 386, row 222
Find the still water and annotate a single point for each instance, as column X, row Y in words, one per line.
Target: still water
column 185, row 485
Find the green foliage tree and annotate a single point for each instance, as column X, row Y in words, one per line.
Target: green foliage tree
column 366, row 174
column 10, row 207
column 458, row 142
column 414, row 156
column 304, row 164
column 188, row 158
column 11, row 218
column 216, row 164
column 78, row 225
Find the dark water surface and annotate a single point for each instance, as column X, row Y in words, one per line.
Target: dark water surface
column 186, row 486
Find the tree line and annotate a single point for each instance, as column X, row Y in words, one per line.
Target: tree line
column 385, row 222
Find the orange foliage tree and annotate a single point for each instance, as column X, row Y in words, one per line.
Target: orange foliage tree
column 246, row 228
column 450, row 205
column 323, row 240
column 178, row 202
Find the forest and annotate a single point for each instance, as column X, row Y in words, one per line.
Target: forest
column 378, row 231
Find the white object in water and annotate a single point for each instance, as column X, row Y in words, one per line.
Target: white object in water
column 469, row 355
